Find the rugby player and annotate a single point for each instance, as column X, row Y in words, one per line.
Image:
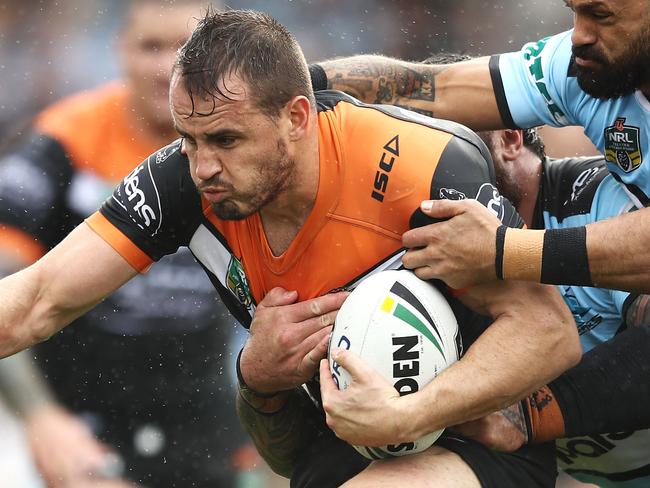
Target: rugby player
column 130, row 367
column 596, row 76
column 556, row 194
column 279, row 221
column 547, row 194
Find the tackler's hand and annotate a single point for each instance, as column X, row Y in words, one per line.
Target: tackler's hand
column 460, row 250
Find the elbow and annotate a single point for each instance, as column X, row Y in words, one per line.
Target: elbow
column 39, row 332
column 31, row 330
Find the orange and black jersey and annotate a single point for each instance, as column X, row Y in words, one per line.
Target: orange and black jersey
column 377, row 163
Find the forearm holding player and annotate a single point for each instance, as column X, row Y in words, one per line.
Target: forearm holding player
column 461, row 91
column 44, row 297
column 527, row 256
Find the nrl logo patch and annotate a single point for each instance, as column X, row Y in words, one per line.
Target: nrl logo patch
column 622, row 145
column 237, row 282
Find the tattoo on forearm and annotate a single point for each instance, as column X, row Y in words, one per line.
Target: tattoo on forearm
column 638, row 314
column 278, row 437
column 382, row 80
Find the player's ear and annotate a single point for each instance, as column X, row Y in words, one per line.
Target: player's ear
column 512, row 142
column 299, row 109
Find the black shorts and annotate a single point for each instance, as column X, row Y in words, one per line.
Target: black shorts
column 328, row 462
column 530, row 466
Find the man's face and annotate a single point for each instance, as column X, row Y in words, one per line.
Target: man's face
column 611, row 46
column 238, row 154
column 148, row 46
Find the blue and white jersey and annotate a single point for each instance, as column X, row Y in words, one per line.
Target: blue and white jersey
column 577, row 192
column 537, row 85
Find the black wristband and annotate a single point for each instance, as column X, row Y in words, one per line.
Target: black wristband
column 500, row 242
column 318, row 77
column 564, row 257
column 242, row 383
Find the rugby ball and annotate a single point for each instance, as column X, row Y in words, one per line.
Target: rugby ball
column 404, row 328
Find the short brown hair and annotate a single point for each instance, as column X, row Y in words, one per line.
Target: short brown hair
column 252, row 44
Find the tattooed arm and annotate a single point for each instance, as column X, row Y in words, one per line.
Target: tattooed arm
column 277, row 426
column 459, row 91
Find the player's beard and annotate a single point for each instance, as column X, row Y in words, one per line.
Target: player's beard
column 273, row 176
column 619, row 77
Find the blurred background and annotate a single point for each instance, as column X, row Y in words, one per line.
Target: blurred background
column 50, row 49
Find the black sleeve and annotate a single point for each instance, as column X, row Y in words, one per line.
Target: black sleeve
column 157, row 206
column 465, row 170
column 34, row 179
column 500, row 93
column 609, row 390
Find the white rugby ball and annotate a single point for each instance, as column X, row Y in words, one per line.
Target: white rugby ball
column 404, row 328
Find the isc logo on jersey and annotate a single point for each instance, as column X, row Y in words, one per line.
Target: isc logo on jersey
column 405, row 329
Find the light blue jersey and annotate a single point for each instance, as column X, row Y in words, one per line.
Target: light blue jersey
column 578, row 192
column 536, row 86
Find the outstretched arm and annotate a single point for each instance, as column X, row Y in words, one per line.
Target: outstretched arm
column 461, row 92
column 44, row 297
